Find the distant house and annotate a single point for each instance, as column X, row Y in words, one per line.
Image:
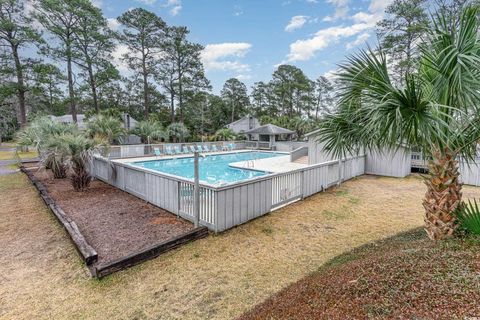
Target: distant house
column 269, row 134
column 245, row 124
column 128, row 122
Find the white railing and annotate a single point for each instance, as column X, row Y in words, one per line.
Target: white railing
column 298, row 153
column 258, row 145
column 286, row 188
column 141, row 150
column 221, row 208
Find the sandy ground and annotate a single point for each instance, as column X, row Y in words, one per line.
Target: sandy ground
column 219, row 277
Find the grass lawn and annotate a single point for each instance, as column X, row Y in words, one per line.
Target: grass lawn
column 407, row 276
column 11, row 155
column 219, row 277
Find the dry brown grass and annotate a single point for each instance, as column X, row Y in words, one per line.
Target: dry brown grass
column 12, row 155
column 219, row 277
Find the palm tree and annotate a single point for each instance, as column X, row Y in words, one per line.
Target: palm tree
column 105, row 127
column 42, row 133
column 77, row 151
column 149, row 131
column 224, row 134
column 437, row 111
column 178, row 131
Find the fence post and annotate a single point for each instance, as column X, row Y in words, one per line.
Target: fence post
column 196, row 192
column 339, row 171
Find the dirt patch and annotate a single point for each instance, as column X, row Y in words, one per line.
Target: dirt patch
column 113, row 222
column 404, row 277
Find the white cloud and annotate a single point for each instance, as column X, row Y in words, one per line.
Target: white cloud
column 305, row 49
column 113, row 24
column 302, row 50
column 148, row 2
column 226, row 56
column 296, row 23
column 117, row 54
column 243, row 77
column 341, row 10
column 174, row 6
column 361, row 39
column 237, row 10
column 96, row 3
column 331, row 74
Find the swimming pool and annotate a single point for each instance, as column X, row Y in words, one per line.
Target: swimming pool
column 213, row 169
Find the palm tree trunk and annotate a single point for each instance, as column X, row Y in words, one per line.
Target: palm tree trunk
column 443, row 195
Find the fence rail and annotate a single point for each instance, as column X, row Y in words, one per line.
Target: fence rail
column 141, row 150
column 221, row 208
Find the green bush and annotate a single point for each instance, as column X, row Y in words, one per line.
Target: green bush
column 468, row 216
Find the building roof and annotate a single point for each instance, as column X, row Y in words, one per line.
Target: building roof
column 269, row 129
column 241, row 119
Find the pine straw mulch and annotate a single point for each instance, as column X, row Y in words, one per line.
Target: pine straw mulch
column 115, row 223
column 404, row 277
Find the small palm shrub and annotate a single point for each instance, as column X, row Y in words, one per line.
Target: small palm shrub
column 105, row 127
column 42, row 133
column 149, row 131
column 79, row 150
column 178, row 131
column 224, row 134
column 468, row 216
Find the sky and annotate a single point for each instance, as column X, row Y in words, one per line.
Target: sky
column 248, row 39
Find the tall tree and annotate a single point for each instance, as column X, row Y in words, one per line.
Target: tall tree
column 405, row 23
column 47, row 82
column 60, row 18
column 94, row 41
column 324, row 99
column 16, row 32
column 290, row 84
column 451, row 10
column 180, row 69
column 234, row 93
column 144, row 36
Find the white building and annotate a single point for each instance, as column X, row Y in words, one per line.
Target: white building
column 245, row 124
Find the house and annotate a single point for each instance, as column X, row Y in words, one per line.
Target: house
column 245, row 124
column 128, row 121
column 269, row 134
column 128, row 124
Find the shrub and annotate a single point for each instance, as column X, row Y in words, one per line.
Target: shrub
column 149, row 131
column 105, row 127
column 468, row 216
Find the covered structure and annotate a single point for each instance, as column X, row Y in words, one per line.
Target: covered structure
column 268, row 134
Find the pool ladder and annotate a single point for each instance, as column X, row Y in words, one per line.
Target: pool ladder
column 250, row 164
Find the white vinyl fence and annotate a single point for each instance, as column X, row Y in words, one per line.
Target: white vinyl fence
column 224, row 207
column 141, row 150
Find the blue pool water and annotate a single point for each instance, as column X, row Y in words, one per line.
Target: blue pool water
column 213, row 169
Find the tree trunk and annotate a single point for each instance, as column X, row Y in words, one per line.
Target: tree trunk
column 172, row 106
column 73, row 109
column 22, row 113
column 145, row 94
column 93, row 87
column 443, row 195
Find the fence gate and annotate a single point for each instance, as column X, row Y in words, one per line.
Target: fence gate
column 286, row 188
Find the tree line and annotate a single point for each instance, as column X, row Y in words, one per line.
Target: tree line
column 57, row 57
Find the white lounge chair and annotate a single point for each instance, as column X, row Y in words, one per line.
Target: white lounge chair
column 157, row 152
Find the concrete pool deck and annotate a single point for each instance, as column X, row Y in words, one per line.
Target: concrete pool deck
column 273, row 165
